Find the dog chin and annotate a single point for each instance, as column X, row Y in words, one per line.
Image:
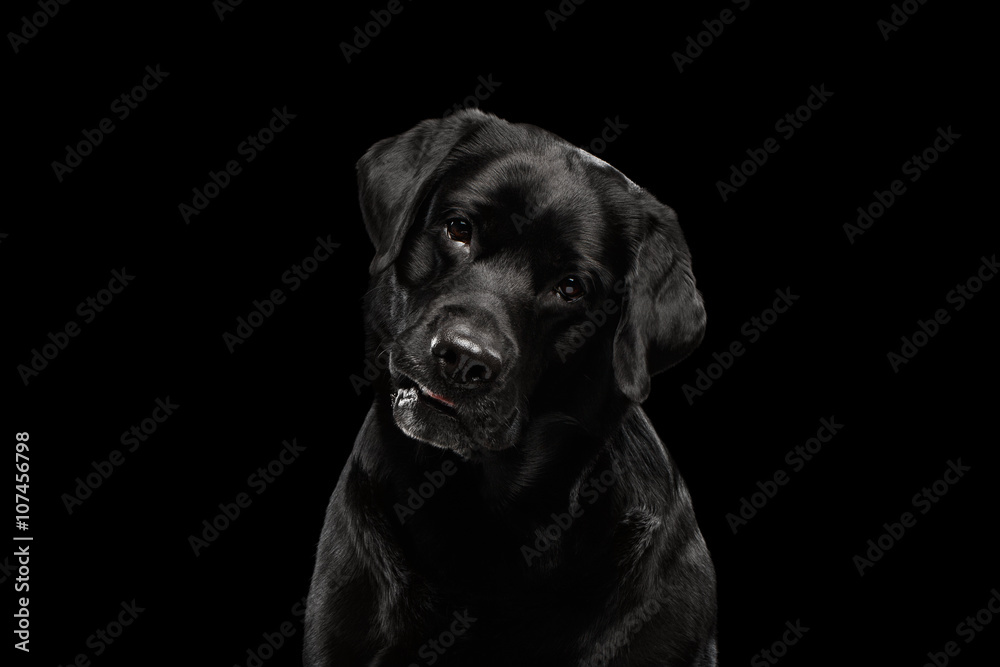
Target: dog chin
column 421, row 420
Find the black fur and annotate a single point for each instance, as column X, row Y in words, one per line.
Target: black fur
column 540, row 427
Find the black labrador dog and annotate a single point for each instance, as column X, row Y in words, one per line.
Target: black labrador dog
column 507, row 501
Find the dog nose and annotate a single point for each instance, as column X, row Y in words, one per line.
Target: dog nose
column 465, row 358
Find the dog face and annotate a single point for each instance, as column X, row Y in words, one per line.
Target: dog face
column 515, row 273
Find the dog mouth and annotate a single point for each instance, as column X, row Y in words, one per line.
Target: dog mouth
column 455, row 420
column 410, row 390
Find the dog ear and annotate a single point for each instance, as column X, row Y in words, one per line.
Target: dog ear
column 664, row 316
column 394, row 175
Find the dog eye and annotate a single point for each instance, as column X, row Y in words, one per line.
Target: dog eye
column 570, row 288
column 459, row 230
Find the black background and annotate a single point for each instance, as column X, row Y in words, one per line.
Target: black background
column 826, row 357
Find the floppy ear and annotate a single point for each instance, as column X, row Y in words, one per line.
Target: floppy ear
column 664, row 317
column 394, row 174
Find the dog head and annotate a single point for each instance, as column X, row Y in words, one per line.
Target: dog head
column 515, row 274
